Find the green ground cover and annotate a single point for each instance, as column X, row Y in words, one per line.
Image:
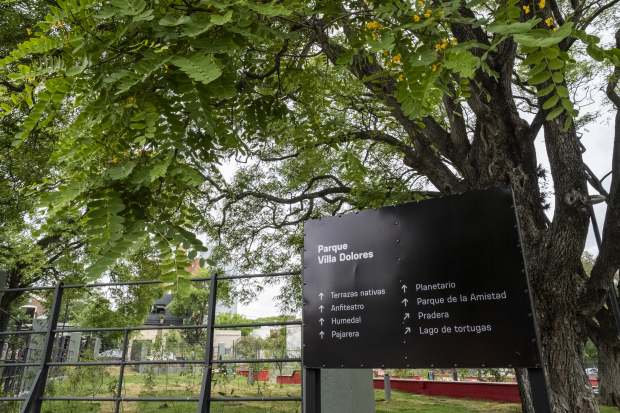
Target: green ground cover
column 188, row 386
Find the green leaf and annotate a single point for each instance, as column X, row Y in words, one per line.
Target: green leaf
column 545, row 91
column 556, row 64
column 551, row 102
column 568, row 105
column 539, row 78
column 567, row 123
column 555, row 113
column 211, row 262
column 558, row 77
column 122, row 171
column 198, row 66
column 596, row 52
column 562, row 91
column 221, row 20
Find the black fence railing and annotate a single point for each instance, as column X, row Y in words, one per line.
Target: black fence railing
column 49, row 357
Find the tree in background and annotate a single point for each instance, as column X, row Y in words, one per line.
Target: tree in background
column 229, row 318
column 276, row 349
column 603, row 335
column 194, row 303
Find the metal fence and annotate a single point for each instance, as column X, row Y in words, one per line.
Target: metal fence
column 53, row 357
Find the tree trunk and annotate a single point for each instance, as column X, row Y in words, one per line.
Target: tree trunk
column 525, row 392
column 609, row 372
column 604, row 335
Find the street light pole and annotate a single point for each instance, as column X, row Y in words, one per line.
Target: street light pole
column 613, row 297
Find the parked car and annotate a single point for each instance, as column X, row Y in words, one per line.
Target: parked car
column 163, row 355
column 112, row 355
column 593, row 370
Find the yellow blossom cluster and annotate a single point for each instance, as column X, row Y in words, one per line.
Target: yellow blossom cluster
column 397, row 58
column 29, row 31
column 549, row 21
column 542, row 4
column 400, row 77
column 436, row 65
column 421, row 3
column 527, row 9
column 59, row 23
column 416, row 17
column 454, row 41
column 428, row 13
column 374, row 25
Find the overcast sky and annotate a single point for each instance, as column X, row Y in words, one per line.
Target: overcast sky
column 598, row 140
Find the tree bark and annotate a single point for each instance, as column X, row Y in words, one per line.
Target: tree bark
column 525, row 391
column 604, row 334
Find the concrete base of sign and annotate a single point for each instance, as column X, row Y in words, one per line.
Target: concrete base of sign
column 347, row 391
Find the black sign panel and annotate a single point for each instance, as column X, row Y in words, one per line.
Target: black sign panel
column 436, row 283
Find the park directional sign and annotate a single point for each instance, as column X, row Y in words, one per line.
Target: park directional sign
column 436, row 283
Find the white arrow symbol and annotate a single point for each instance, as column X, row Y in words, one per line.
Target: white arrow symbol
column 321, row 295
column 321, row 308
column 321, row 333
column 404, row 287
column 405, row 301
column 406, row 316
column 321, row 321
column 407, row 330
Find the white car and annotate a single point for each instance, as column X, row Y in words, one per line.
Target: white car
column 114, row 354
column 593, row 370
column 161, row 356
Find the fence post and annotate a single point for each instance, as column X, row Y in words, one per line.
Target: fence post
column 32, row 403
column 250, row 376
column 386, row 385
column 121, row 373
column 204, row 402
column 4, row 316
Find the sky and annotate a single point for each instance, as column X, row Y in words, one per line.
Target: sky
column 598, row 140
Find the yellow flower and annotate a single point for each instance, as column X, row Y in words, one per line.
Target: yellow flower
column 437, row 46
column 397, row 58
column 421, row 3
column 374, row 36
column 389, row 63
column 527, row 9
column 440, row 14
column 400, row 77
column 53, row 24
column 30, row 79
column 416, row 17
column 125, row 153
column 60, row 24
column 317, row 121
column 114, row 160
column 443, row 46
column 549, row 21
column 139, row 153
column 555, row 28
column 454, row 41
column 542, row 4
column 385, row 53
column 29, row 31
column 166, row 66
column 428, row 13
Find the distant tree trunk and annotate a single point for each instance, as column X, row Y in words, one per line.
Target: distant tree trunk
column 604, row 334
column 525, row 392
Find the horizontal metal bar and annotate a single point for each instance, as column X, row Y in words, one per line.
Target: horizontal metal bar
column 123, row 399
column 254, row 361
column 6, row 290
column 127, row 363
column 230, row 277
column 128, row 283
column 279, row 323
column 16, row 333
column 273, row 274
column 93, row 330
column 6, row 365
column 12, row 399
column 255, row 399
